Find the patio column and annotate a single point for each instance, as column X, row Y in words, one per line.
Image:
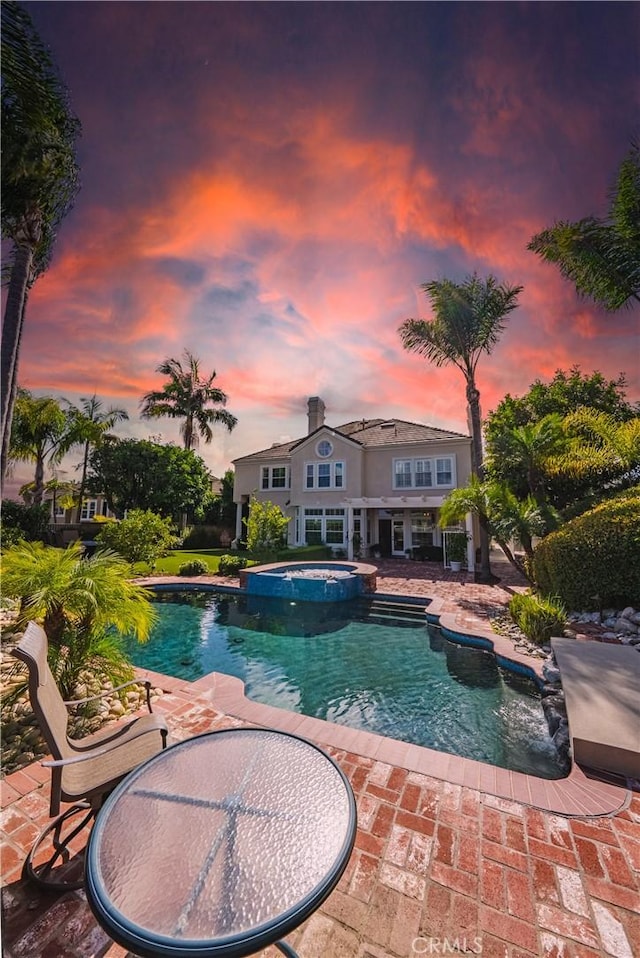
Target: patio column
column 471, row 545
column 238, row 521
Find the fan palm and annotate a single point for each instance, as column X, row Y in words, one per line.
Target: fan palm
column 468, row 320
column 187, row 396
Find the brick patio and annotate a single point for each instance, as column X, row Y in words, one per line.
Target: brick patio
column 439, row 867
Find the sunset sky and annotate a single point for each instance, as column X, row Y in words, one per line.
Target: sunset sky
column 268, row 184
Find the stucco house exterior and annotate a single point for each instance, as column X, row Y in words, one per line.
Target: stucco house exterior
column 369, row 482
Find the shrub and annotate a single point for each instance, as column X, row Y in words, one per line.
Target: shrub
column 537, row 617
column 142, row 537
column 20, row 522
column 593, row 561
column 231, row 565
column 202, row 537
column 196, row 567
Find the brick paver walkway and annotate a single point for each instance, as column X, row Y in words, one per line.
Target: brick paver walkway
column 438, row 868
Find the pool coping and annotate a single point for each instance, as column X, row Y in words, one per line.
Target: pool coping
column 580, row 794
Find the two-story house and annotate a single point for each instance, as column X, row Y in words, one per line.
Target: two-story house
column 373, row 481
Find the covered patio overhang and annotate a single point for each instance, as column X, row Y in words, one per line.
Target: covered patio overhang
column 396, row 502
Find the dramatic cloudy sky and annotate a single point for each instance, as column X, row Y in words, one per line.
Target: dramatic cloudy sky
column 268, row 184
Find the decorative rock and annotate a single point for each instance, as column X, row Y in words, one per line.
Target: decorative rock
column 628, row 612
column 624, row 627
column 551, row 672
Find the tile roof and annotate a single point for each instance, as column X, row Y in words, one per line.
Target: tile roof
column 367, row 432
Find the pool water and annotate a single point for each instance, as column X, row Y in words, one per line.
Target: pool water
column 396, row 678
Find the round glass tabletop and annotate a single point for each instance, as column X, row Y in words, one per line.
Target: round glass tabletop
column 220, row 845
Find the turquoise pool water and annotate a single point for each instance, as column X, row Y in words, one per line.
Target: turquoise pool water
column 397, row 678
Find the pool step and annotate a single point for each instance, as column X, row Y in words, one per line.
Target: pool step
column 382, row 612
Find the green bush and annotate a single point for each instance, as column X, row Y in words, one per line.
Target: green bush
column 539, row 618
column 231, row 565
column 28, row 523
column 593, row 561
column 196, row 567
column 143, row 536
column 203, row 537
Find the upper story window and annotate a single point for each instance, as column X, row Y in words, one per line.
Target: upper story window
column 424, row 473
column 274, row 477
column 324, row 475
column 324, row 448
column 89, row 507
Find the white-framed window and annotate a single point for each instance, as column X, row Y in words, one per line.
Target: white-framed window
column 324, row 525
column 324, row 475
column 402, row 474
column 274, row 477
column 436, row 473
column 89, row 509
column 422, row 528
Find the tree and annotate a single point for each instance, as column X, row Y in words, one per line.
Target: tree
column 525, row 451
column 469, row 318
column 602, row 256
column 506, row 517
column 599, row 444
column 143, row 536
column 266, row 528
column 91, row 424
column 41, row 433
column 139, row 474
column 80, row 601
column 39, row 177
column 187, row 396
column 562, row 396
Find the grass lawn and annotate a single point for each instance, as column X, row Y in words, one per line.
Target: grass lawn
column 170, row 564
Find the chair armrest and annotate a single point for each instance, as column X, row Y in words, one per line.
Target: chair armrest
column 106, row 750
column 101, row 695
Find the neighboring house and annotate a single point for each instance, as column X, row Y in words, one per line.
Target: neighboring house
column 381, row 481
column 91, row 507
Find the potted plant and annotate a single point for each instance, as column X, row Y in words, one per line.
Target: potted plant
column 457, row 549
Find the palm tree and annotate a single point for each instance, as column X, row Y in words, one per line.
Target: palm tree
column 602, row 256
column 82, row 603
column 599, row 443
column 40, row 180
column 187, row 396
column 506, row 517
column 91, row 424
column 525, row 450
column 469, row 318
column 41, row 434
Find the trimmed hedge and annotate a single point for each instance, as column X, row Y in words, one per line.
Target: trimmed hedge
column 593, row 562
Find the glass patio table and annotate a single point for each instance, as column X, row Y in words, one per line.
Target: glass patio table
column 220, row 845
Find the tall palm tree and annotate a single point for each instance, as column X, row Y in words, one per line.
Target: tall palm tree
column 40, row 180
column 41, row 434
column 187, row 396
column 468, row 320
column 91, row 424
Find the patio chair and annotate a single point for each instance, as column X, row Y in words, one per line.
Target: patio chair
column 83, row 771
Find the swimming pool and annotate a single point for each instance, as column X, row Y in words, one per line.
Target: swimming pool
column 395, row 677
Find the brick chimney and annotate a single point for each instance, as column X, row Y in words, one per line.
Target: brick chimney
column 316, row 413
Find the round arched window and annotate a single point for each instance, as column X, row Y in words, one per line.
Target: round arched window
column 324, row 448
